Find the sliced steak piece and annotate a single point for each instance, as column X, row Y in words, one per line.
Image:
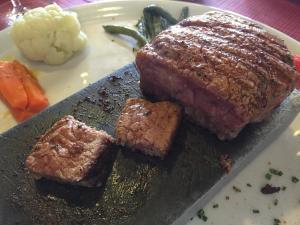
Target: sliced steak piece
column 70, row 152
column 224, row 70
column 148, row 127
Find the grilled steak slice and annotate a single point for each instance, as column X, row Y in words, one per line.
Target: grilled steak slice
column 224, row 70
column 69, row 152
column 148, row 127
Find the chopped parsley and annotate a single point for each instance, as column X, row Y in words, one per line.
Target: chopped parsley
column 295, row 179
column 275, row 202
column 255, row 211
column 275, row 172
column 249, row 185
column 268, row 176
column 276, row 221
column 227, row 197
column 283, row 188
column 201, row 215
column 216, row 206
column 236, row 189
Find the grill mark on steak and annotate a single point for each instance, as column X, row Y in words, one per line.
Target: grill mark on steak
column 251, row 42
column 70, row 152
column 231, row 58
column 262, row 64
column 148, row 127
column 256, row 57
column 236, row 33
column 212, row 65
column 214, row 19
column 264, row 68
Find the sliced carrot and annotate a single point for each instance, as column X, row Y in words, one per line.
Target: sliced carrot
column 297, row 62
column 21, row 115
column 11, row 88
column 37, row 101
column 297, row 65
column 20, row 90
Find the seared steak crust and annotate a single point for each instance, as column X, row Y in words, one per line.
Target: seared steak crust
column 68, row 151
column 148, row 127
column 225, row 70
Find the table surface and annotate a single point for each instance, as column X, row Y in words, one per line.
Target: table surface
column 283, row 15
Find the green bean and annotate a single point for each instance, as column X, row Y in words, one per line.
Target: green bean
column 184, row 13
column 141, row 27
column 141, row 40
column 164, row 24
column 156, row 20
column 153, row 9
column 149, row 25
column 139, row 22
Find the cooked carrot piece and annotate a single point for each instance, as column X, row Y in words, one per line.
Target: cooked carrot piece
column 20, row 90
column 11, row 88
column 297, row 65
column 21, row 115
column 37, row 101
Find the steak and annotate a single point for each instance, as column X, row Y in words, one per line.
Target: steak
column 148, row 127
column 71, row 152
column 224, row 70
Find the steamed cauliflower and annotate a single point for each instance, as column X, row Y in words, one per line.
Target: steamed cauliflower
column 48, row 34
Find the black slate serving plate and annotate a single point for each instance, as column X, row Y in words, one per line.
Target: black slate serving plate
column 139, row 190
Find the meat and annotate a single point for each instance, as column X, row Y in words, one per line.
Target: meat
column 70, row 152
column 148, row 127
column 224, row 70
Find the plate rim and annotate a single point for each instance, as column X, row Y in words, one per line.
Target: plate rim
column 85, row 6
column 292, row 44
column 214, row 190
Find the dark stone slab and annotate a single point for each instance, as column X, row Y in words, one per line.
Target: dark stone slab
column 139, row 190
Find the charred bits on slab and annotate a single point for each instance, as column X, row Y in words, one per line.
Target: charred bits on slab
column 269, row 189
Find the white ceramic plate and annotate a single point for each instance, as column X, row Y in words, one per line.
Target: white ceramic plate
column 102, row 55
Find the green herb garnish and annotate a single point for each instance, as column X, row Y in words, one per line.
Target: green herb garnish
column 236, row 189
column 295, row 179
column 276, row 221
column 275, row 202
column 283, row 188
column 275, row 172
column 256, row 211
column 249, row 185
column 216, row 206
column 184, row 13
column 268, row 176
column 201, row 215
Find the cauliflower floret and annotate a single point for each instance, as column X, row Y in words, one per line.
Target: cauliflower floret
column 48, row 34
